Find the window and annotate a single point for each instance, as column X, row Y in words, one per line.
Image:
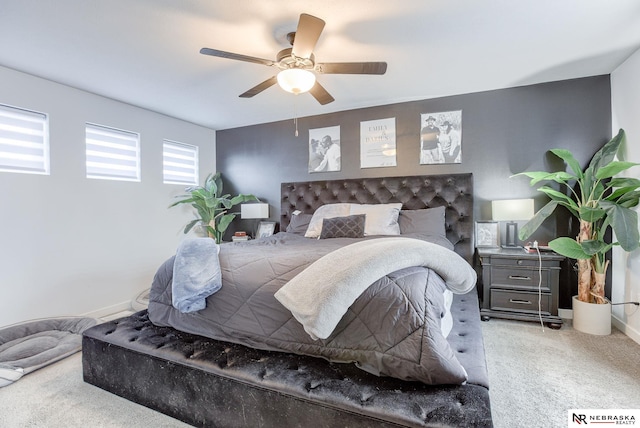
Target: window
column 24, row 141
column 179, row 163
column 112, row 154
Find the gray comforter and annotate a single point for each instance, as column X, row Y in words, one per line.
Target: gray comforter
column 392, row 328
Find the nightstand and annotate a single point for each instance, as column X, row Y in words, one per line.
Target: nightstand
column 510, row 280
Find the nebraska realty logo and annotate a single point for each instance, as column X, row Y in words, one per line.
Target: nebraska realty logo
column 598, row 417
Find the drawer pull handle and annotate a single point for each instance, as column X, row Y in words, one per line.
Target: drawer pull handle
column 520, row 277
column 520, row 301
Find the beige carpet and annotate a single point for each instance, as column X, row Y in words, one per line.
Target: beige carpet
column 56, row 397
column 535, row 378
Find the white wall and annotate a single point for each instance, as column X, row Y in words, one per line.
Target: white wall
column 625, row 107
column 71, row 245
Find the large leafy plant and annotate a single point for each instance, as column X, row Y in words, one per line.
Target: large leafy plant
column 599, row 202
column 211, row 206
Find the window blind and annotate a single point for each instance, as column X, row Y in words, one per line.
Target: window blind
column 24, row 141
column 179, row 163
column 112, row 154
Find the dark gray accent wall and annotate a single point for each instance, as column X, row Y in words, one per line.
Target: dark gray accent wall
column 503, row 132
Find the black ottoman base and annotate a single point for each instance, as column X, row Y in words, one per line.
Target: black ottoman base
column 210, row 383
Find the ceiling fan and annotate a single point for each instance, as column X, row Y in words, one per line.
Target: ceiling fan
column 297, row 63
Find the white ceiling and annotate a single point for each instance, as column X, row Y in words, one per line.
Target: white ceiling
column 146, row 52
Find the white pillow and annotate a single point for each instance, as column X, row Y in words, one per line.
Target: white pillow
column 326, row 211
column 381, row 219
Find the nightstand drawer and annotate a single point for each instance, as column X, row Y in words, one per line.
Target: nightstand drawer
column 521, row 279
column 502, row 300
column 524, row 261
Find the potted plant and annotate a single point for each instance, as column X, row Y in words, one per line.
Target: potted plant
column 211, row 206
column 599, row 202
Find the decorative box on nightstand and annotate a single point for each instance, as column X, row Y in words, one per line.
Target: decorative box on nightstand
column 520, row 286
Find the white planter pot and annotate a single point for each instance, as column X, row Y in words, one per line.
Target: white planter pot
column 591, row 318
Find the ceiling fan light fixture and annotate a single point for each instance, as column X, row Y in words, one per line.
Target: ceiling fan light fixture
column 297, row 63
column 296, row 80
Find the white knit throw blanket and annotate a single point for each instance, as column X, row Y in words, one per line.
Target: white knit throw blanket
column 320, row 295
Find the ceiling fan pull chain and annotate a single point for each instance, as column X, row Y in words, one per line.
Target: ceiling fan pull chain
column 295, row 114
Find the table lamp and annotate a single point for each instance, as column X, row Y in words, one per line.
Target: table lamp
column 254, row 211
column 511, row 210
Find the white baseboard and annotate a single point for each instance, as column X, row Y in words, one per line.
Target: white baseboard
column 626, row 329
column 109, row 310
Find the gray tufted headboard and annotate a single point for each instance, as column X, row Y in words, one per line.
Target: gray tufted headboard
column 454, row 191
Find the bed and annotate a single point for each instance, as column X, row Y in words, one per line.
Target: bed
column 238, row 362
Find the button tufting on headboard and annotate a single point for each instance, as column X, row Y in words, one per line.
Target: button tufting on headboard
column 454, row 191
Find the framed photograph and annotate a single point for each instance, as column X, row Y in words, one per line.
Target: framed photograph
column 266, row 229
column 324, row 149
column 441, row 137
column 487, row 234
column 378, row 143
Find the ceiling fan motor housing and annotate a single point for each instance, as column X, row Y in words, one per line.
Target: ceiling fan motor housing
column 285, row 59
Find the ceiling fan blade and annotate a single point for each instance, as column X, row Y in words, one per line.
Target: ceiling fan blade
column 352, row 67
column 260, row 87
column 307, row 35
column 230, row 55
column 321, row 94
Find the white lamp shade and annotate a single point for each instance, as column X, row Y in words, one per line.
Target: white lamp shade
column 296, row 80
column 254, row 210
column 512, row 209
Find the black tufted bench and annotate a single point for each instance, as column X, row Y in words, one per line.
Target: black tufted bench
column 216, row 384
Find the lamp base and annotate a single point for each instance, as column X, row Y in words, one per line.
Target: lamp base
column 512, row 235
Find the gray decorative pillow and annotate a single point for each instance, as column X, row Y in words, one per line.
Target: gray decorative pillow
column 299, row 223
column 343, row 227
column 326, row 211
column 428, row 221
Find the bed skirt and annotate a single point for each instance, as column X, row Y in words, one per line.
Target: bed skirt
column 205, row 382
